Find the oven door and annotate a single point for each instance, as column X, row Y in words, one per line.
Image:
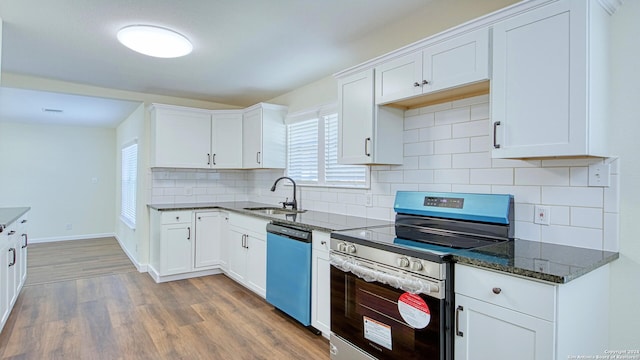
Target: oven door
column 384, row 320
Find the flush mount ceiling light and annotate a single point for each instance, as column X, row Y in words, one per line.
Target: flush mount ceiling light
column 154, row 41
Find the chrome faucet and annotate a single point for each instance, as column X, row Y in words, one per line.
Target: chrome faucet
column 286, row 202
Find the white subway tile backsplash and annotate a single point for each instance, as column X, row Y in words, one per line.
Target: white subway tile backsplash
column 572, row 196
column 560, row 215
column 521, row 194
column 452, row 146
column 480, row 144
column 457, row 115
column 523, row 212
column 542, row 176
column 418, row 176
column 435, row 108
column 436, row 187
column 492, row 176
column 572, row 236
column 390, row 176
column 442, row 161
column 411, row 136
column 467, row 188
column 469, row 129
column 471, row 161
column 527, row 230
column 514, row 163
column 435, row 133
column 587, row 217
column 419, row 121
column 470, row 101
column 420, row 148
column 579, row 176
column 480, row 111
column 411, row 163
column 451, row 176
column 403, row 187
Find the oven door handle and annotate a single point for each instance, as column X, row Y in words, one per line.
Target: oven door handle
column 369, row 274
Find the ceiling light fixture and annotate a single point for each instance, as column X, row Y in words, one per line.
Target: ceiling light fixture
column 154, row 41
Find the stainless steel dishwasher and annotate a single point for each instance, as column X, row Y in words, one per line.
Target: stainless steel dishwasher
column 289, row 271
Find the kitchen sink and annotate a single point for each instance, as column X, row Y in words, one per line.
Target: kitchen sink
column 274, row 210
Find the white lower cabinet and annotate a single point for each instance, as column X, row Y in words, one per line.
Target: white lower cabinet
column 504, row 317
column 320, row 283
column 184, row 244
column 13, row 265
column 247, row 252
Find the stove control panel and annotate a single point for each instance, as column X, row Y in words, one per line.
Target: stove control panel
column 400, row 262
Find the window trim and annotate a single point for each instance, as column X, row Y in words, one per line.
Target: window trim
column 125, row 217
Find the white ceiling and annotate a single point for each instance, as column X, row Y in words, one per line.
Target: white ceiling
column 245, row 51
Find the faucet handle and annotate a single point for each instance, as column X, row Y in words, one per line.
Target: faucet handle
column 284, row 203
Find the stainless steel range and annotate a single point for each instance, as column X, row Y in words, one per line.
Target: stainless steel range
column 392, row 287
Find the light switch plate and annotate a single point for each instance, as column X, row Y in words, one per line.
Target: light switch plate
column 542, row 215
column 599, row 174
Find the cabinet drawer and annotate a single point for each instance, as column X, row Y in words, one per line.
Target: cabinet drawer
column 522, row 295
column 176, row 217
column 255, row 225
column 320, row 241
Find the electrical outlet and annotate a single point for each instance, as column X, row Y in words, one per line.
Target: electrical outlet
column 599, row 174
column 542, row 215
column 368, row 199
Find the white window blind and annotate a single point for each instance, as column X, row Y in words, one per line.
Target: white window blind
column 129, row 180
column 312, row 148
column 302, row 140
column 336, row 173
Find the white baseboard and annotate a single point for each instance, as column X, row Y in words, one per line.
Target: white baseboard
column 65, row 238
column 160, row 279
column 141, row 267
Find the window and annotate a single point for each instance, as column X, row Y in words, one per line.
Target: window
column 312, row 148
column 129, row 181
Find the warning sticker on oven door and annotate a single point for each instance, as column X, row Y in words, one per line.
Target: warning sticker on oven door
column 414, row 310
column 377, row 332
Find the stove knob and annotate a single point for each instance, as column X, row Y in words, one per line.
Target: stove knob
column 342, row 247
column 403, row 262
column 351, row 249
column 416, row 265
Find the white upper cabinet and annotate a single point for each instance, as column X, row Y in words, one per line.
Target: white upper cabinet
column 549, row 85
column 226, row 139
column 367, row 133
column 180, row 137
column 264, row 137
column 459, row 61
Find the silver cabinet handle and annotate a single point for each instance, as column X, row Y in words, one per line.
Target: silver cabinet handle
column 188, row 232
column 367, row 142
column 458, row 332
column 208, row 159
column 26, row 241
column 495, row 135
column 258, row 157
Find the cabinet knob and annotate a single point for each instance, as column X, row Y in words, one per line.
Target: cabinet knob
column 496, row 290
column 425, row 82
column 416, row 84
column 323, row 242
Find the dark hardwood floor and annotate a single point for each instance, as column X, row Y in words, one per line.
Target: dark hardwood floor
column 128, row 316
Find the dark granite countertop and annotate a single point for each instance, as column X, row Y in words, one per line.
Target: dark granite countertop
column 9, row 215
column 313, row 220
column 537, row 260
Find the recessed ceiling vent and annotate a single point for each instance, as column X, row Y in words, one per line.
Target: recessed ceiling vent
column 52, row 111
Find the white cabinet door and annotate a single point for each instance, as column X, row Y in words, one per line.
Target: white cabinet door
column 545, row 93
column 399, row 79
column 320, row 283
column 453, row 63
column 180, row 138
column 175, row 249
column 355, row 118
column 256, row 275
column 460, row 61
column 252, row 139
column 491, row 332
column 264, row 137
column 237, row 254
column 207, row 239
column 226, row 140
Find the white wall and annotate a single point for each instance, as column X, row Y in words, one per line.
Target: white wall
column 625, row 126
column 65, row 173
